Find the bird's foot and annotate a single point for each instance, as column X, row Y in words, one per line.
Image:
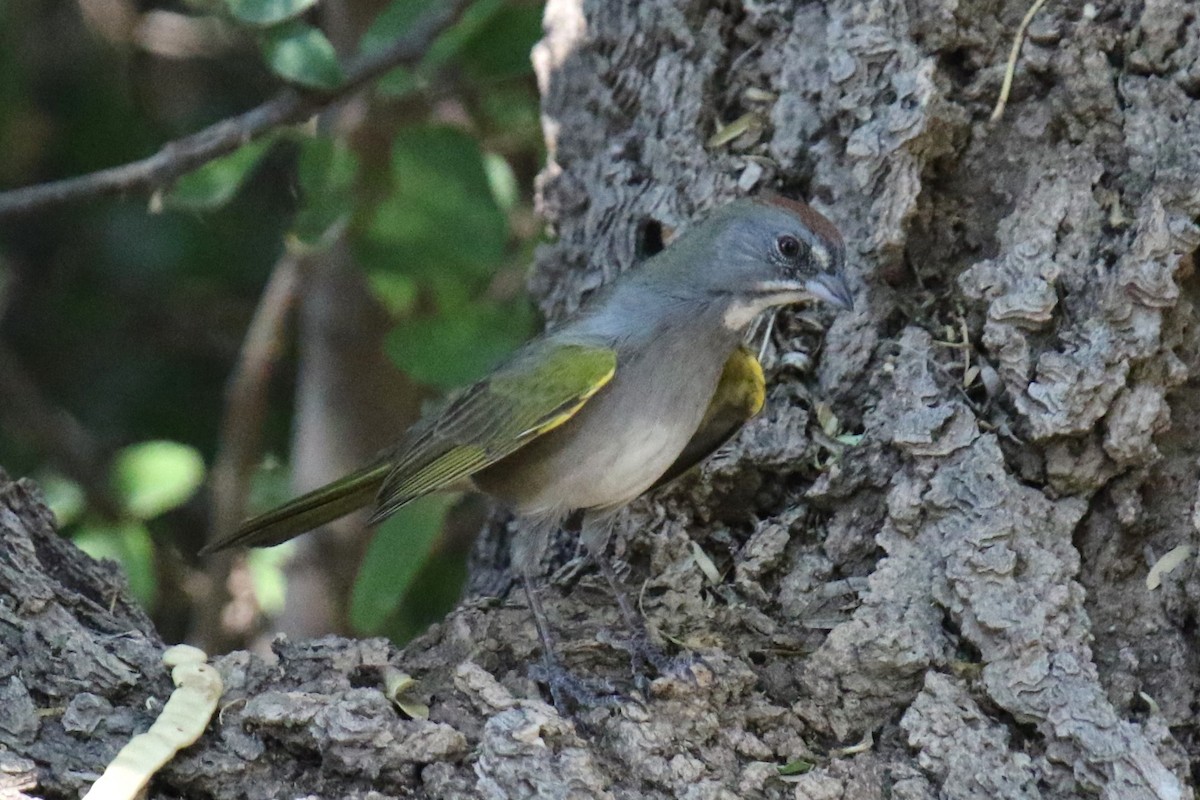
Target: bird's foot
column 570, row 690
column 647, row 659
column 564, row 685
column 645, row 655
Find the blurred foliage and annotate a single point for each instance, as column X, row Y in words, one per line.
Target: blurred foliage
column 266, row 572
column 131, row 321
column 215, row 184
column 268, row 12
column 128, row 543
column 151, row 478
column 302, row 55
column 401, row 546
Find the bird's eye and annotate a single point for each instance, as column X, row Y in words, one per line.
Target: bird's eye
column 788, row 246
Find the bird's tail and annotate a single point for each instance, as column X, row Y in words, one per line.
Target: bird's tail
column 329, row 502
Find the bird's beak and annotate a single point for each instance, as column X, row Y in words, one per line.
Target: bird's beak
column 832, row 289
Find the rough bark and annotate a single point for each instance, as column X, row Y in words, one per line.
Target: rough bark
column 962, row 594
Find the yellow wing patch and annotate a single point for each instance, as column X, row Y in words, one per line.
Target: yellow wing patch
column 566, row 414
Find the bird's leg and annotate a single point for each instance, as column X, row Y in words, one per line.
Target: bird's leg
column 562, row 682
column 528, row 547
column 644, row 652
column 543, row 630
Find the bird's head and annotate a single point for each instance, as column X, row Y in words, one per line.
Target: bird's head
column 765, row 252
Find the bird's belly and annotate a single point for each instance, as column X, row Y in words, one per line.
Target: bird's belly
column 614, row 449
column 616, row 472
column 559, row 473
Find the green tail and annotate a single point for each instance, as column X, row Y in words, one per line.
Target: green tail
column 329, row 502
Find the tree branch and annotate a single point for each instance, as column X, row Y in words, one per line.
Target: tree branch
column 181, row 156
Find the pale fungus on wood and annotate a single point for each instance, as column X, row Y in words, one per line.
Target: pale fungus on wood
column 183, row 719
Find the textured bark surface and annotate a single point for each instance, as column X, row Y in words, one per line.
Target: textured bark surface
column 955, row 606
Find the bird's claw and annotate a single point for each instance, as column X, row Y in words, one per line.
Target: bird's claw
column 565, row 685
column 646, row 656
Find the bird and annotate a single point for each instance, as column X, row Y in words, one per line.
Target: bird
column 646, row 380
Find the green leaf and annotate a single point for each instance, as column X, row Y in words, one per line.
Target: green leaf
column 64, row 496
column 266, row 574
column 430, row 595
column 797, row 767
column 458, row 346
column 499, row 48
column 474, row 20
column 128, row 543
column 512, row 108
column 401, row 546
column 502, row 180
column 214, row 184
column 151, row 478
column 441, row 216
column 392, row 23
column 301, row 54
column 270, row 486
column 492, row 41
column 397, row 292
column 264, row 13
column 326, row 164
column 327, row 173
column 399, row 82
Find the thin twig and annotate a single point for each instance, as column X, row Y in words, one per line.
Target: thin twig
column 289, row 106
column 240, row 442
column 1013, row 54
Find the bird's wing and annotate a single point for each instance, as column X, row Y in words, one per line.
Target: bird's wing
column 740, row 395
column 540, row 389
column 311, row 510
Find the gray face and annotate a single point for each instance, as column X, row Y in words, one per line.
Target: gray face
column 779, row 250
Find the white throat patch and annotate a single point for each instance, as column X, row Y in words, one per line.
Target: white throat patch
column 742, row 312
column 771, row 293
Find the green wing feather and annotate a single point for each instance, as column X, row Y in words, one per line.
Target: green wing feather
column 739, row 396
column 536, row 392
column 312, row 510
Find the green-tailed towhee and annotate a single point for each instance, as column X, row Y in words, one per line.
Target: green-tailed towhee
column 649, row 378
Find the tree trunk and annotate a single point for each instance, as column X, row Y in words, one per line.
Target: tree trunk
column 933, row 568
